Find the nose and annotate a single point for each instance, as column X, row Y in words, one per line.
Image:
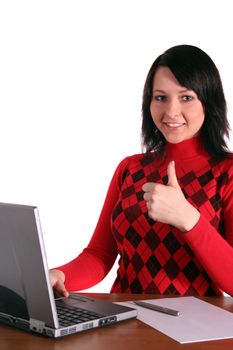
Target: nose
column 173, row 108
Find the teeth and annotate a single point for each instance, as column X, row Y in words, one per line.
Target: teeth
column 174, row 125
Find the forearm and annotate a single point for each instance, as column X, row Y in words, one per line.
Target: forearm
column 86, row 270
column 214, row 253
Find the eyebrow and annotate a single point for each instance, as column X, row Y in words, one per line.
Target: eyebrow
column 164, row 92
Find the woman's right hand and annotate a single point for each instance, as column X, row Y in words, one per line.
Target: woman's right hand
column 57, row 279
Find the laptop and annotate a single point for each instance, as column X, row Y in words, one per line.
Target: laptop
column 27, row 300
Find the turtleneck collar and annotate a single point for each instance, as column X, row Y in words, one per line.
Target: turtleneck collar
column 186, row 149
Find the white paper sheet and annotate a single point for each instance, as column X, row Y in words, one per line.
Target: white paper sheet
column 199, row 320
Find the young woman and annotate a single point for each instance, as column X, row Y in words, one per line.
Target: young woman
column 168, row 213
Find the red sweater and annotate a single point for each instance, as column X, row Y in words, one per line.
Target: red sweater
column 155, row 257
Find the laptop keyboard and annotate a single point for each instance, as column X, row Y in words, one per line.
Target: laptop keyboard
column 68, row 315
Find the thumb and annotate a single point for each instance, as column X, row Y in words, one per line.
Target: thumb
column 171, row 173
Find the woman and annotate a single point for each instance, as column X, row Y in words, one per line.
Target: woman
column 168, row 212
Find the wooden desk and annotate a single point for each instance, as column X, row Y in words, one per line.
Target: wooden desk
column 127, row 335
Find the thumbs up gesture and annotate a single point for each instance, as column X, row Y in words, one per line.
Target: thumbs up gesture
column 167, row 204
column 171, row 174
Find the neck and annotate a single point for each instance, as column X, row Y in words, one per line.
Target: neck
column 186, row 149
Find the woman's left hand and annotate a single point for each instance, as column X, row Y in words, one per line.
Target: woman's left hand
column 167, row 204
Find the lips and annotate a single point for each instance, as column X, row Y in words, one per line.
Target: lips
column 174, row 125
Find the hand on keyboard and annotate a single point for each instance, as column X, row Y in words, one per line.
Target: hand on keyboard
column 57, row 279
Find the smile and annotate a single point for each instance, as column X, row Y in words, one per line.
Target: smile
column 174, row 125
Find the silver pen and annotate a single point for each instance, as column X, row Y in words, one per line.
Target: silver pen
column 158, row 308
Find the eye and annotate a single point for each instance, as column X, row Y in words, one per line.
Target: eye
column 159, row 98
column 187, row 98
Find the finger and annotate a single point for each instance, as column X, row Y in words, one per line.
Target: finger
column 149, row 211
column 61, row 289
column 148, row 204
column 147, row 187
column 147, row 196
column 171, row 173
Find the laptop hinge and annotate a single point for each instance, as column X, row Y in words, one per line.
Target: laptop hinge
column 36, row 325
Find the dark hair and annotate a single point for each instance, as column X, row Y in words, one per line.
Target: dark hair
column 196, row 71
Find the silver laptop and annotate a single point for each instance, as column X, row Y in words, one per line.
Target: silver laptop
column 26, row 297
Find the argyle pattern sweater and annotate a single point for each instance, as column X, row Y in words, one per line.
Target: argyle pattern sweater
column 154, row 257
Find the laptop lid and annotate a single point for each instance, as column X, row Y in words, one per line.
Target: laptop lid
column 25, row 289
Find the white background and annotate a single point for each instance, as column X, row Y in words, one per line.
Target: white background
column 71, row 80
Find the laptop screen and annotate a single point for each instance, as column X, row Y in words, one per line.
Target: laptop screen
column 25, row 289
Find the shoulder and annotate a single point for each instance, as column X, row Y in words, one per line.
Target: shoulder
column 223, row 171
column 133, row 164
column 225, row 164
column 136, row 161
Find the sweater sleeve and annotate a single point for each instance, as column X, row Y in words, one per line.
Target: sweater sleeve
column 214, row 251
column 97, row 259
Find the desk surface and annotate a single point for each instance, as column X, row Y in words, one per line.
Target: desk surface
column 130, row 334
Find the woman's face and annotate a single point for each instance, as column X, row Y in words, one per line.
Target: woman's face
column 176, row 111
